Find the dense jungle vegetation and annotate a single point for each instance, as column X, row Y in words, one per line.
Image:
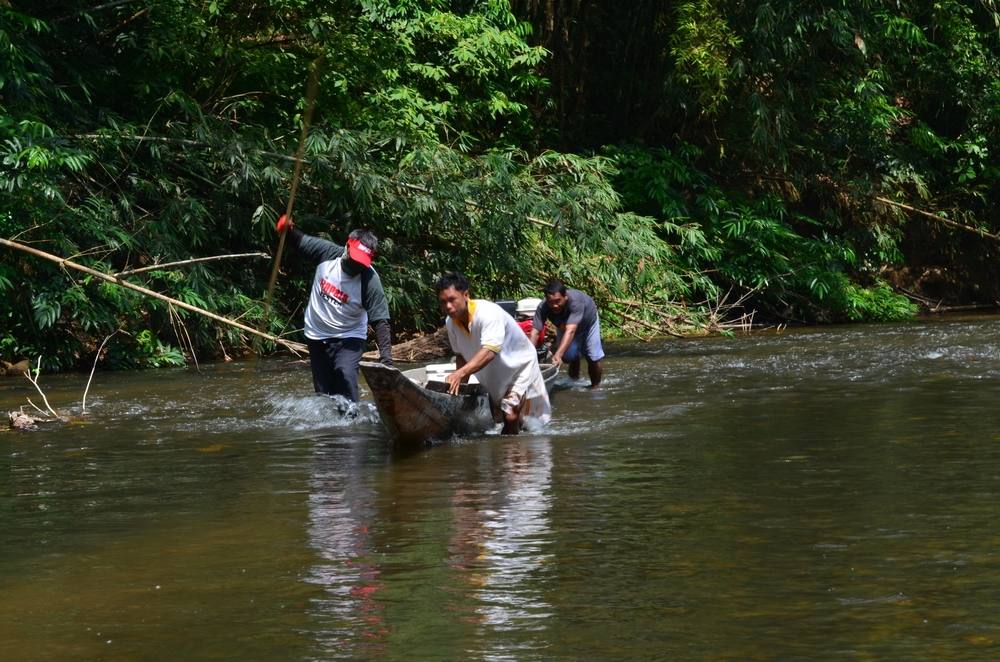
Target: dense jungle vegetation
column 684, row 162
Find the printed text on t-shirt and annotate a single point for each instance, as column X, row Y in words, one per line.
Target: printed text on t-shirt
column 331, row 291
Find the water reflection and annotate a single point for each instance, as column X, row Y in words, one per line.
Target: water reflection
column 341, row 514
column 501, row 547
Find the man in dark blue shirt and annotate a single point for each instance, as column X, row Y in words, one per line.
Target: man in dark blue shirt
column 578, row 329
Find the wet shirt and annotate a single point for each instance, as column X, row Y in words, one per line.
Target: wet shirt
column 337, row 308
column 580, row 310
column 516, row 362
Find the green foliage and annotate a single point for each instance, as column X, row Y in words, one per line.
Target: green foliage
column 154, row 354
column 751, row 141
column 702, row 46
column 419, row 107
column 793, row 265
column 46, row 310
column 460, row 77
column 144, row 350
column 875, row 303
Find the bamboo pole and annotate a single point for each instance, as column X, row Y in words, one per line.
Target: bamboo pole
column 167, row 265
column 293, row 346
column 939, row 219
column 311, row 85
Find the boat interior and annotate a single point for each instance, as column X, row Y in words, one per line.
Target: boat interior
column 432, row 377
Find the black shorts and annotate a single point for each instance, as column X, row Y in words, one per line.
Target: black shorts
column 335, row 363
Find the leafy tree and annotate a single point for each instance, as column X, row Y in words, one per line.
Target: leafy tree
column 150, row 133
column 659, row 154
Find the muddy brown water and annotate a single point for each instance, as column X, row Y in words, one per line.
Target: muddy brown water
column 821, row 494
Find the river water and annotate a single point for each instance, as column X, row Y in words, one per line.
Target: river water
column 820, row 494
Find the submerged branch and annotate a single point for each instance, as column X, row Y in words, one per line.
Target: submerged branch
column 83, row 408
column 34, row 382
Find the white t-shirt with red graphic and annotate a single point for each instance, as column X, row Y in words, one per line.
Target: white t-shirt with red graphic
column 335, row 308
column 340, row 305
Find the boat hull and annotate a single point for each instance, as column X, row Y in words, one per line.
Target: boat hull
column 416, row 415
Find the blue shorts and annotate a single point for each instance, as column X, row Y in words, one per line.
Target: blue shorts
column 588, row 344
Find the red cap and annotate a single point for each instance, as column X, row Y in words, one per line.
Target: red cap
column 359, row 252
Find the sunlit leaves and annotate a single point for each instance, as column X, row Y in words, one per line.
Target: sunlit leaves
column 462, row 67
column 702, row 46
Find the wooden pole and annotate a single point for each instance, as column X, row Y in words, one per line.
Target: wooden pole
column 311, row 86
column 293, row 346
column 168, row 265
column 939, row 219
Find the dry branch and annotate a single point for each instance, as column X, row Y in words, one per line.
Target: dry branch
column 298, row 348
column 939, row 219
column 34, row 382
column 635, row 320
column 168, row 265
column 97, row 356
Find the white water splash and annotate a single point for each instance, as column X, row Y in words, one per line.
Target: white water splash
column 317, row 411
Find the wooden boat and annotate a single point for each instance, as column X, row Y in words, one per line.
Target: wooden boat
column 415, row 407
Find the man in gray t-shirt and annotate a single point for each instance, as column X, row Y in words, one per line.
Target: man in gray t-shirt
column 346, row 296
column 578, row 329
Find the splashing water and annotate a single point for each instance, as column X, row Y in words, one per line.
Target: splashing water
column 319, row 411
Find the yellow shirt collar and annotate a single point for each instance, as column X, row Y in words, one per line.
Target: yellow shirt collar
column 472, row 311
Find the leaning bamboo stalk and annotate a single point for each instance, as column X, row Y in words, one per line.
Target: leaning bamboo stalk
column 168, row 265
column 474, row 204
column 293, row 346
column 939, row 219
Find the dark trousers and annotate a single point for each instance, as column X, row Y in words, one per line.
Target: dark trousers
column 335, row 364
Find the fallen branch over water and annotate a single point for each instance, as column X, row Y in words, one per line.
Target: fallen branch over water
column 298, row 348
column 937, row 305
column 665, row 327
column 673, row 319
